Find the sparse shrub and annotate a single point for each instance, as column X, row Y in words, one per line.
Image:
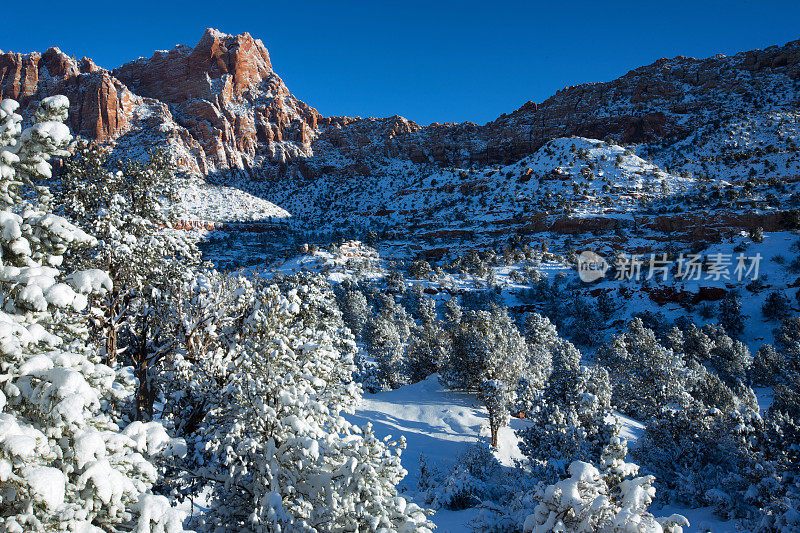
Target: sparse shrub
column 707, row 311
column 776, row 306
column 730, row 314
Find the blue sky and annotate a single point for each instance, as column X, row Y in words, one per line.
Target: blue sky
column 428, row 61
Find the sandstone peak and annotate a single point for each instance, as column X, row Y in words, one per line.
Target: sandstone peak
column 219, row 63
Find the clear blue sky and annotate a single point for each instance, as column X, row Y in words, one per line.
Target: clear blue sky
column 428, row 61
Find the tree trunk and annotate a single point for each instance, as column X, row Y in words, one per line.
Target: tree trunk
column 111, row 345
column 145, row 395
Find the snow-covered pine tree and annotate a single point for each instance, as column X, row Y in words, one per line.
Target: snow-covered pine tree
column 787, row 341
column 452, row 311
column 355, row 309
column 428, row 346
column 713, row 347
column 606, row 499
column 279, row 455
column 207, row 314
column 730, row 314
column 385, row 337
column 542, row 339
column 129, row 206
column 65, row 465
column 571, row 419
column 645, row 375
column 766, row 366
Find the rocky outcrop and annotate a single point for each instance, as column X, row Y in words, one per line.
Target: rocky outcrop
column 664, row 295
column 225, row 93
column 217, row 106
column 101, row 107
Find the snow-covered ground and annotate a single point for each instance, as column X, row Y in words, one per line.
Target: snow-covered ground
column 440, row 424
column 225, row 204
column 597, row 177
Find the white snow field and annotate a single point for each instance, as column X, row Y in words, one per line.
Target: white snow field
column 225, row 204
column 439, row 424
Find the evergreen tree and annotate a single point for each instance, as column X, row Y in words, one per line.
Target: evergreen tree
column 129, row 206
column 608, row 499
column 572, row 419
column 776, row 306
column 385, row 337
column 429, row 346
column 730, row 314
column 646, row 375
column 452, row 312
column 66, row 464
column 766, row 369
column 542, row 339
column 488, row 357
column 787, row 341
column 355, row 310
column 278, row 452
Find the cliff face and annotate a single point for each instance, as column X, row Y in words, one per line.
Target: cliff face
column 225, row 93
column 101, row 106
column 220, row 106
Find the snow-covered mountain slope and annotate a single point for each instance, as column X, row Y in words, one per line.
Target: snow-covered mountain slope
column 755, row 145
column 223, row 110
column 212, row 203
column 582, row 177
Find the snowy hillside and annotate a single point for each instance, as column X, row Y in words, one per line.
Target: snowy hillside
column 225, row 204
column 371, row 325
column 580, row 176
column 440, row 425
column 757, row 146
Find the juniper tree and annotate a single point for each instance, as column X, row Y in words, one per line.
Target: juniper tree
column 571, row 420
column 730, row 314
column 129, row 206
column 429, row 345
column 279, row 455
column 385, row 337
column 608, row 498
column 766, row 368
column 776, row 306
column 355, row 310
column 787, row 341
column 646, row 376
column 488, row 357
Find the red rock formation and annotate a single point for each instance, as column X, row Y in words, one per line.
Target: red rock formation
column 225, row 93
column 669, row 294
column 216, row 106
column 100, row 106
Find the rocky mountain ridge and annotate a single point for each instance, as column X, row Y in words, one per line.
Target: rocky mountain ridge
column 219, row 106
column 216, row 106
